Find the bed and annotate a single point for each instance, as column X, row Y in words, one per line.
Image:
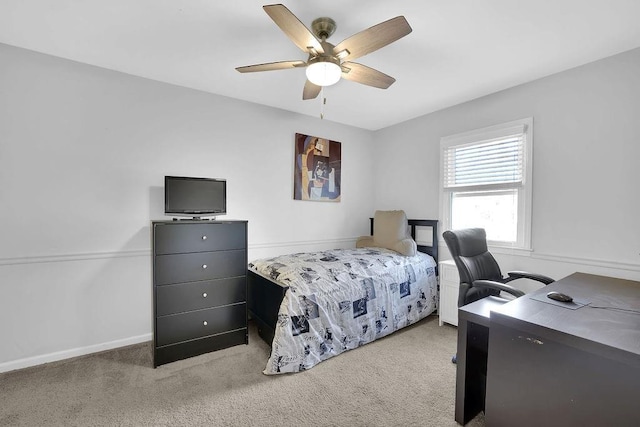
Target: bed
column 312, row 306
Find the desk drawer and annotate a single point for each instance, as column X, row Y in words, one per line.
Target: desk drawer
column 196, row 324
column 172, row 299
column 194, row 267
column 188, row 237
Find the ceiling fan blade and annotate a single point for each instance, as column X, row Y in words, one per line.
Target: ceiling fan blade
column 270, row 66
column 367, row 76
column 293, row 28
column 310, row 91
column 373, row 38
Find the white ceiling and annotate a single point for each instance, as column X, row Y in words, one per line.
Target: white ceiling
column 458, row 50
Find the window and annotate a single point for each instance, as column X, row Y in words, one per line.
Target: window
column 486, row 182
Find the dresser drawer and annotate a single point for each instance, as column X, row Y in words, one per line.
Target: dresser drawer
column 180, row 268
column 196, row 324
column 199, row 237
column 172, row 299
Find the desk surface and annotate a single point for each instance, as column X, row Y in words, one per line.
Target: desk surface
column 604, row 330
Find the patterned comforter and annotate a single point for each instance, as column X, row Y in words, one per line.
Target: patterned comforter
column 341, row 299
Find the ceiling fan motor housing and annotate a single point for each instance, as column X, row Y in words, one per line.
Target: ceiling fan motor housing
column 327, row 56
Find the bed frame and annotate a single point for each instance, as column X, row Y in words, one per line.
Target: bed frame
column 265, row 295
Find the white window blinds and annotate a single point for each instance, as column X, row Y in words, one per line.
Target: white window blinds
column 495, row 163
column 485, row 180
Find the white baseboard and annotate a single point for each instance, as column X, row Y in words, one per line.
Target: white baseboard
column 75, row 352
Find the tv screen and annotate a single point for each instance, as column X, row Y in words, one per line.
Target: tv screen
column 194, row 197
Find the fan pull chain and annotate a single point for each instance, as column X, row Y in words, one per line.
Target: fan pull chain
column 323, row 101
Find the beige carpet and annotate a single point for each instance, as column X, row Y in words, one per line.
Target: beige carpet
column 406, row 379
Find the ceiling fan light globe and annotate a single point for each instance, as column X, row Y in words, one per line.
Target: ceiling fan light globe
column 323, row 73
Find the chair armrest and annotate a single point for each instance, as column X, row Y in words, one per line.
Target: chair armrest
column 513, row 275
column 406, row 247
column 364, row 242
column 490, row 284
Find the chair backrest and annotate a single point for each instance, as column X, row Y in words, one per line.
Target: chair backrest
column 469, row 250
column 391, row 231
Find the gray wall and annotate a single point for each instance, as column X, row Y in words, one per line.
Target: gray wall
column 83, row 155
column 586, row 201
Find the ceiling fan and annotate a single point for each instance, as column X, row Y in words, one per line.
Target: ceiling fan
column 327, row 63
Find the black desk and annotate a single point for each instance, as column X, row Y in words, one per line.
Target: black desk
column 550, row 365
column 471, row 370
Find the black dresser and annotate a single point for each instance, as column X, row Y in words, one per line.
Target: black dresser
column 199, row 287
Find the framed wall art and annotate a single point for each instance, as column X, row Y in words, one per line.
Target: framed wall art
column 317, row 169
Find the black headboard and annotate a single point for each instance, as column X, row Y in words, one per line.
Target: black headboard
column 433, row 223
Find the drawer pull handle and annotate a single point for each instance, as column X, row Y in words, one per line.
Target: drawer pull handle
column 204, row 323
column 204, row 295
column 204, row 265
column 204, row 237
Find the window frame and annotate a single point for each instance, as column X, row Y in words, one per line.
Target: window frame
column 525, row 190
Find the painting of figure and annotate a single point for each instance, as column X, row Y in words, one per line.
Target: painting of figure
column 317, row 169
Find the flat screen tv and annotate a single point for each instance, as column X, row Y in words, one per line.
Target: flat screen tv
column 195, row 197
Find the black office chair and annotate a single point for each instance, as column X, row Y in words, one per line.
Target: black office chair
column 480, row 275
